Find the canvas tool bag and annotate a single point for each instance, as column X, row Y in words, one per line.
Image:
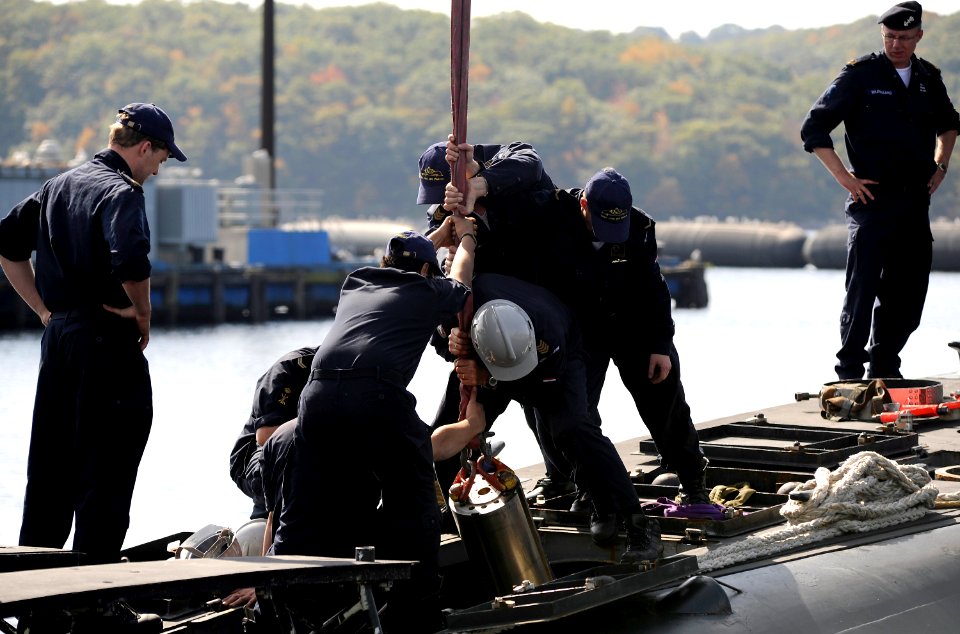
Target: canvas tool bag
column 853, row 400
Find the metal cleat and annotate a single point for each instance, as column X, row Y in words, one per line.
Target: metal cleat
column 523, row 586
column 694, row 535
column 592, row 583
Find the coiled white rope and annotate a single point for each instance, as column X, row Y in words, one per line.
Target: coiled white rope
column 866, row 492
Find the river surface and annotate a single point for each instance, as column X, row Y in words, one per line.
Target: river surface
column 766, row 335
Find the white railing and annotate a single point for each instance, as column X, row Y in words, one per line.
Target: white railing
column 239, row 206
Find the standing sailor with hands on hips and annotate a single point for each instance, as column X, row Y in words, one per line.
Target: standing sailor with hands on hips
column 900, row 131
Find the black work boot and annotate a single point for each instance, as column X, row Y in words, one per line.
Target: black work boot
column 694, row 490
column 551, row 488
column 583, row 503
column 604, row 528
column 643, row 540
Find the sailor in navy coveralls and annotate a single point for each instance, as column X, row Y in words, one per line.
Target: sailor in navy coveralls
column 91, row 289
column 501, row 177
column 360, row 442
column 900, row 131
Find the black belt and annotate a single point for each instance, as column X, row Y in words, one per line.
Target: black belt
column 81, row 313
column 909, row 189
column 381, row 374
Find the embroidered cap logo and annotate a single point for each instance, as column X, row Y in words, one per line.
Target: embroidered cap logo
column 613, row 215
column 431, row 174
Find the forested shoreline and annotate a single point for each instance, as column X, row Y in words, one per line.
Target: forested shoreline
column 700, row 126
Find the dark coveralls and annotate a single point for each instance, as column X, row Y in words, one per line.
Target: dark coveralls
column 623, row 306
column 891, row 133
column 274, row 403
column 511, row 172
column 269, row 474
column 274, row 460
column 557, row 389
column 360, row 440
column 94, row 401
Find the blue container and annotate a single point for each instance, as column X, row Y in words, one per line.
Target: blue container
column 190, row 295
column 324, row 292
column 673, row 285
column 279, row 294
column 277, row 248
column 158, row 298
column 236, row 296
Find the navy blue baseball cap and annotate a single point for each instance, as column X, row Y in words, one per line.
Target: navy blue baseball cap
column 150, row 120
column 608, row 196
column 434, row 175
column 902, row 17
column 411, row 244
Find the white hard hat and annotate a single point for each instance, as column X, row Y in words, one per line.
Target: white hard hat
column 503, row 336
column 249, row 538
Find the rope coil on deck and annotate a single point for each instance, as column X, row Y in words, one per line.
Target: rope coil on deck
column 866, row 492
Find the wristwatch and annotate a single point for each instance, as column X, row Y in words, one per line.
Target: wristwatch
column 942, row 167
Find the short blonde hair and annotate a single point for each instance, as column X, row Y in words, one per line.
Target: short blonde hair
column 125, row 136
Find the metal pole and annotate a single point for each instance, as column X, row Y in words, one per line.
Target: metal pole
column 459, row 72
column 267, row 89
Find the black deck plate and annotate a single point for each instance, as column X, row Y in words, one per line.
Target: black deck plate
column 792, row 446
column 570, row 595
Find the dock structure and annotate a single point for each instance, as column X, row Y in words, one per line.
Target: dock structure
column 252, row 295
column 257, row 294
column 253, row 254
column 216, row 295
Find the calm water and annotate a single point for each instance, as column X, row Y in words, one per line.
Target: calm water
column 766, row 335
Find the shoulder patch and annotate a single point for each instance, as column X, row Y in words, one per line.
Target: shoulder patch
column 863, row 58
column 440, row 213
column 648, row 221
column 542, row 347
